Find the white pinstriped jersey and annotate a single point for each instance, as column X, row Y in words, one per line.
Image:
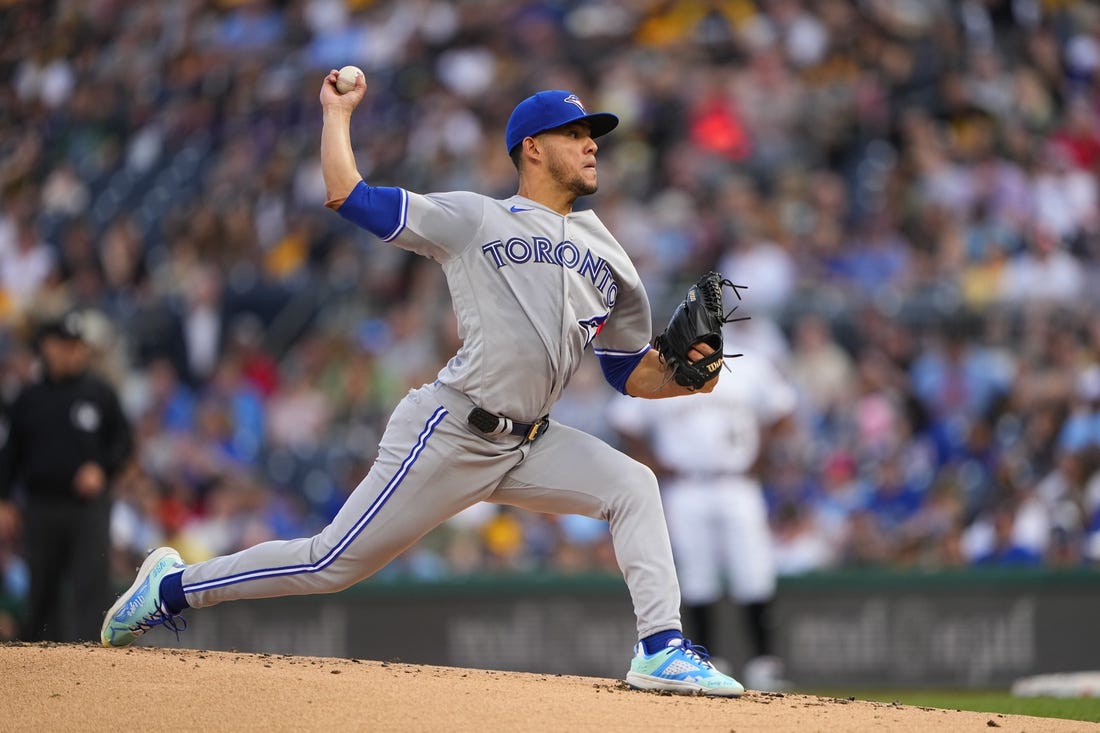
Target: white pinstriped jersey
column 531, row 290
column 719, row 432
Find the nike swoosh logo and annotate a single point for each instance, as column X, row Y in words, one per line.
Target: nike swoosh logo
column 517, row 209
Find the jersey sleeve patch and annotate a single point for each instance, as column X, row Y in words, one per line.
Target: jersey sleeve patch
column 617, row 366
column 381, row 210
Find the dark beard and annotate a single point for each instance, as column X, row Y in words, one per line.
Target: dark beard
column 572, row 182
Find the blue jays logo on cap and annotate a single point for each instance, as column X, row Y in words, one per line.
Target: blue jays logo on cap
column 553, row 108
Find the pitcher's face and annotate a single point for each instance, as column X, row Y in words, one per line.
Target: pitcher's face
column 571, row 157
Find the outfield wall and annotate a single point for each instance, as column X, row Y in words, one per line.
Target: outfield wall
column 957, row 629
column 866, row 629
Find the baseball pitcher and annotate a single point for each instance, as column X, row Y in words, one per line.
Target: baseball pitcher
column 534, row 284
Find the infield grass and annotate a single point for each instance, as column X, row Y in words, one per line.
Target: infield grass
column 982, row 701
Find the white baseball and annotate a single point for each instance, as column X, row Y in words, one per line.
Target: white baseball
column 345, row 80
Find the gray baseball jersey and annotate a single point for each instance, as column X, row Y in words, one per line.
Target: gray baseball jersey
column 531, row 289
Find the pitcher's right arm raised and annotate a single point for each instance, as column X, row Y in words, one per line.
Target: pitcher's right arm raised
column 337, row 158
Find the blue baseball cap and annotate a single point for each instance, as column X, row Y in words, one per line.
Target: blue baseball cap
column 553, row 108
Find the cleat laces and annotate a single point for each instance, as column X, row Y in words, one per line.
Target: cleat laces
column 174, row 622
column 697, row 653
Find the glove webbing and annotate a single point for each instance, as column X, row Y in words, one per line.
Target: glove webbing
column 713, row 296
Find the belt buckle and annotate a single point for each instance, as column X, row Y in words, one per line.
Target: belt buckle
column 534, row 432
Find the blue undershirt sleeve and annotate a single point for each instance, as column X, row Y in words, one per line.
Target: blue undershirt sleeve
column 381, row 210
column 617, row 366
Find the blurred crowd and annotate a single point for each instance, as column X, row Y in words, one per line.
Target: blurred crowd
column 909, row 189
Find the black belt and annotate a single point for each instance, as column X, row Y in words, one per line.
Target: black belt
column 491, row 424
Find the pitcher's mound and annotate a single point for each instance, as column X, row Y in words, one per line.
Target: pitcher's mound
column 59, row 687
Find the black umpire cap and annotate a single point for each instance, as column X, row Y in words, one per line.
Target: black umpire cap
column 69, row 327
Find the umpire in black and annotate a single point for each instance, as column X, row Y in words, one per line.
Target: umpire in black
column 67, row 437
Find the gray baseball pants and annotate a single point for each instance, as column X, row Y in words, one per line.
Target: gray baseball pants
column 431, row 465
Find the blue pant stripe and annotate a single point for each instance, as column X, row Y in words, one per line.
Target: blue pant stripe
column 349, row 537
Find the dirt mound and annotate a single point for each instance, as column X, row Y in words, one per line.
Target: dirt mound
column 62, row 687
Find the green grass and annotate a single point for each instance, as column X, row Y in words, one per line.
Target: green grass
column 1081, row 708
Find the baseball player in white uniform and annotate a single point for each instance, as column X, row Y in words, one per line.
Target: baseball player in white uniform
column 714, row 503
column 533, row 284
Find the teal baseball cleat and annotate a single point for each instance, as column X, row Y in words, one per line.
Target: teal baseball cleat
column 682, row 668
column 139, row 608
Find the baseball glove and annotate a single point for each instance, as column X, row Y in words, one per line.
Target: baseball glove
column 699, row 318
